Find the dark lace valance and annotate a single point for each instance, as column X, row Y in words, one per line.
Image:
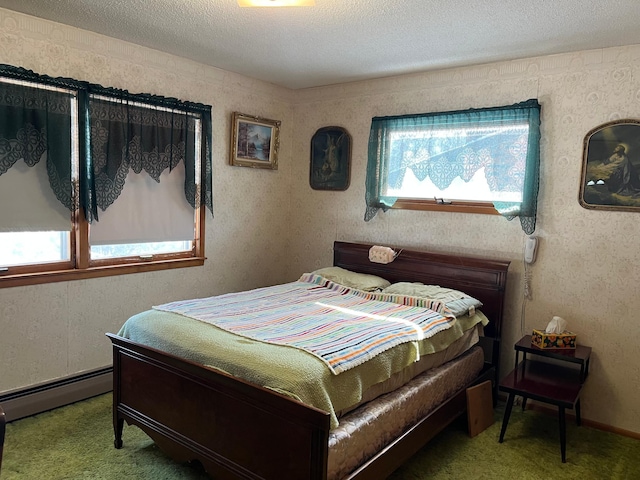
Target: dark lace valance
column 35, row 124
column 117, row 131
column 128, row 137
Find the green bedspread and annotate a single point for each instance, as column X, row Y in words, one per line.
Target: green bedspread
column 286, row 370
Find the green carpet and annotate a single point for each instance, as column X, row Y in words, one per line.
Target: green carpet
column 76, row 442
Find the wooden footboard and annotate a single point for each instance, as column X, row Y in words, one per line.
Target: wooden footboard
column 239, row 430
column 235, row 429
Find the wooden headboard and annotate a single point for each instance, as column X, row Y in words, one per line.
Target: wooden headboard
column 482, row 278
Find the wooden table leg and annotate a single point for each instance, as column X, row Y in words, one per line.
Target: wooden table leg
column 507, row 414
column 2, row 430
column 524, row 403
column 563, row 434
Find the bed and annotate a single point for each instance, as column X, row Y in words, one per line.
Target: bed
column 237, row 429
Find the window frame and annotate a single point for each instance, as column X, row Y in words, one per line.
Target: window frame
column 80, row 266
column 458, row 206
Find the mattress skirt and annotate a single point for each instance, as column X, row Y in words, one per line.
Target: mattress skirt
column 368, row 429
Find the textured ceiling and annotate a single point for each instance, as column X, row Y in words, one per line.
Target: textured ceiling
column 345, row 40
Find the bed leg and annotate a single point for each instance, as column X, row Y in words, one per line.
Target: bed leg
column 118, row 425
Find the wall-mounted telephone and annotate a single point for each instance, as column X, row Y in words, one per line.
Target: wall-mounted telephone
column 530, row 249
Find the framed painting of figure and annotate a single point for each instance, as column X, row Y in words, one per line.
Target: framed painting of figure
column 330, row 167
column 611, row 167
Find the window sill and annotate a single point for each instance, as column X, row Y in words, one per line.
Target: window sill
column 15, row 280
column 484, row 208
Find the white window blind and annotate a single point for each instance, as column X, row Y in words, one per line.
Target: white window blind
column 147, row 211
column 32, row 204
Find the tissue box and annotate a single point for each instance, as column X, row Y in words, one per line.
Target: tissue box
column 564, row 340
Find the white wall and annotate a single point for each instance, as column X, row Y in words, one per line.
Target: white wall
column 588, row 267
column 270, row 225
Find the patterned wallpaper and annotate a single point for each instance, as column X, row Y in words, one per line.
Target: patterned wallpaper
column 270, row 226
column 51, row 331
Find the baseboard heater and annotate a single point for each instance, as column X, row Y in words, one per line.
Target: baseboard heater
column 47, row 396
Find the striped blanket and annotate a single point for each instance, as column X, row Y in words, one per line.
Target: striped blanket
column 343, row 327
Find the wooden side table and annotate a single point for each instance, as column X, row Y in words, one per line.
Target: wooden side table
column 547, row 382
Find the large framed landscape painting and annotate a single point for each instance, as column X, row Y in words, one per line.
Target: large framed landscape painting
column 254, row 141
column 611, row 167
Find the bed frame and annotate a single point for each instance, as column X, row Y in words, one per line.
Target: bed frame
column 239, row 430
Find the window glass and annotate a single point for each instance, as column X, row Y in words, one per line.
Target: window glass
column 28, row 248
column 458, row 163
column 138, row 249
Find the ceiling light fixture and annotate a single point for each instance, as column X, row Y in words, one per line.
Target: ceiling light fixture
column 276, row 3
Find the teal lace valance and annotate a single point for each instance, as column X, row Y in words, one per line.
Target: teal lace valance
column 500, row 143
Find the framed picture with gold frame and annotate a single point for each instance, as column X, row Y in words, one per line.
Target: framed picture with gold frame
column 611, row 167
column 254, row 141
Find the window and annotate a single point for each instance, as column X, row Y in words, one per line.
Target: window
column 98, row 181
column 480, row 161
